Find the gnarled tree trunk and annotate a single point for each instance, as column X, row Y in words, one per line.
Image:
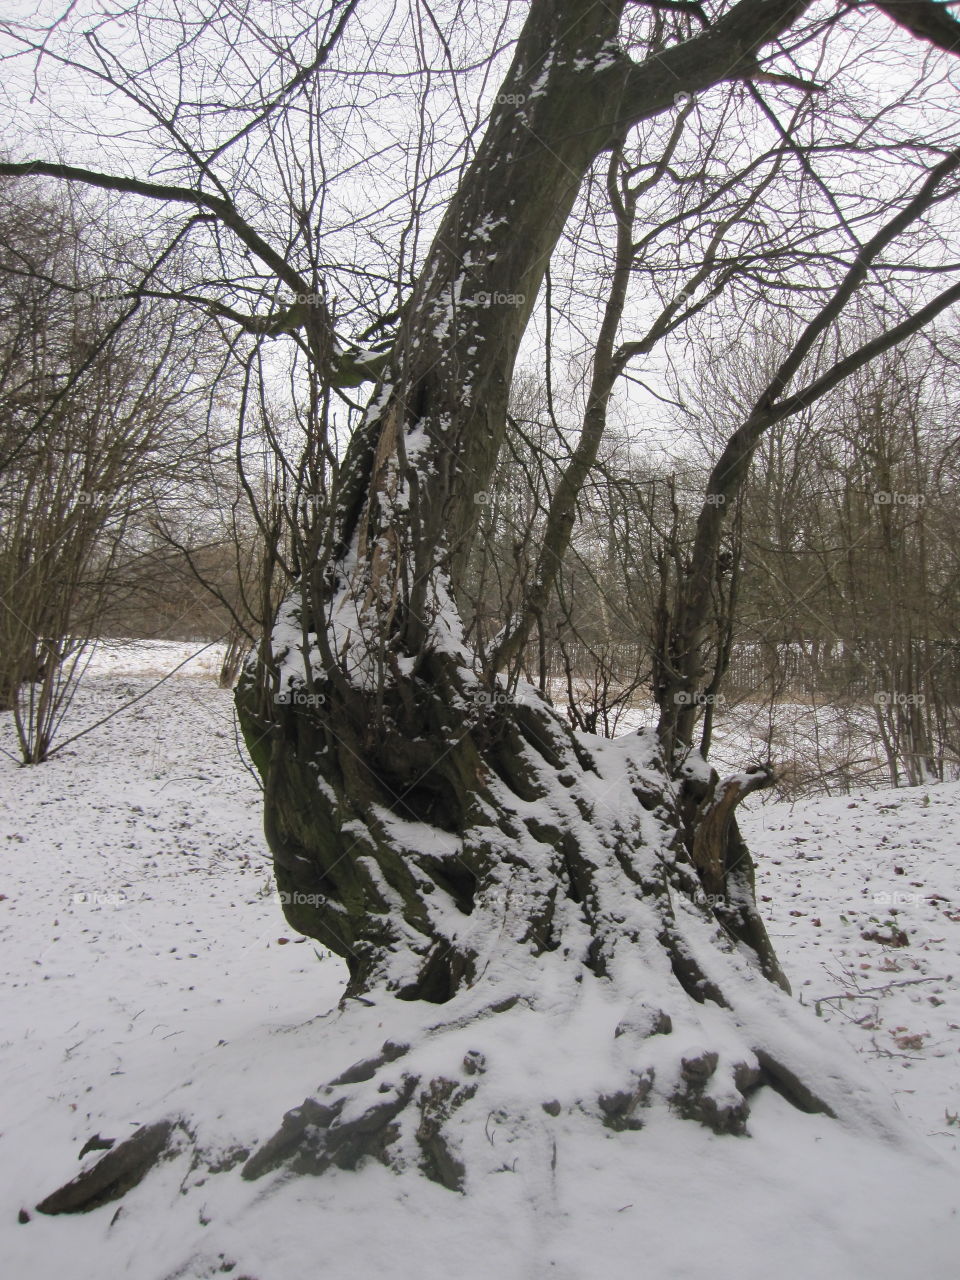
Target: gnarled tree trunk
column 448, row 835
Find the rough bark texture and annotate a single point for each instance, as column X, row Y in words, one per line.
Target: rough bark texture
column 449, row 836
column 381, row 718
column 403, row 825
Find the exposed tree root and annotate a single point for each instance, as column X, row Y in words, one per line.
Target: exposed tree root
column 116, row 1173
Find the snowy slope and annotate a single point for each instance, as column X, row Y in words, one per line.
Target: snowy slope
column 147, row 971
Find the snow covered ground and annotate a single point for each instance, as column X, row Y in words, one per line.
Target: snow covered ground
column 862, row 898
column 147, row 971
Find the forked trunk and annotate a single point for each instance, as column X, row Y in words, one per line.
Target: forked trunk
column 450, row 836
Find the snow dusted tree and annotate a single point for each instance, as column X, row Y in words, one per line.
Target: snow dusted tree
column 446, row 832
column 504, row 891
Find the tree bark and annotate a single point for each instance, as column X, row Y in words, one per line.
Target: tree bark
column 446, row 834
column 386, row 704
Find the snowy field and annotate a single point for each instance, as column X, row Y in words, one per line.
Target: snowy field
column 148, row 972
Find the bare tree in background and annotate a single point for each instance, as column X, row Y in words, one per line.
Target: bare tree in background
column 95, row 405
